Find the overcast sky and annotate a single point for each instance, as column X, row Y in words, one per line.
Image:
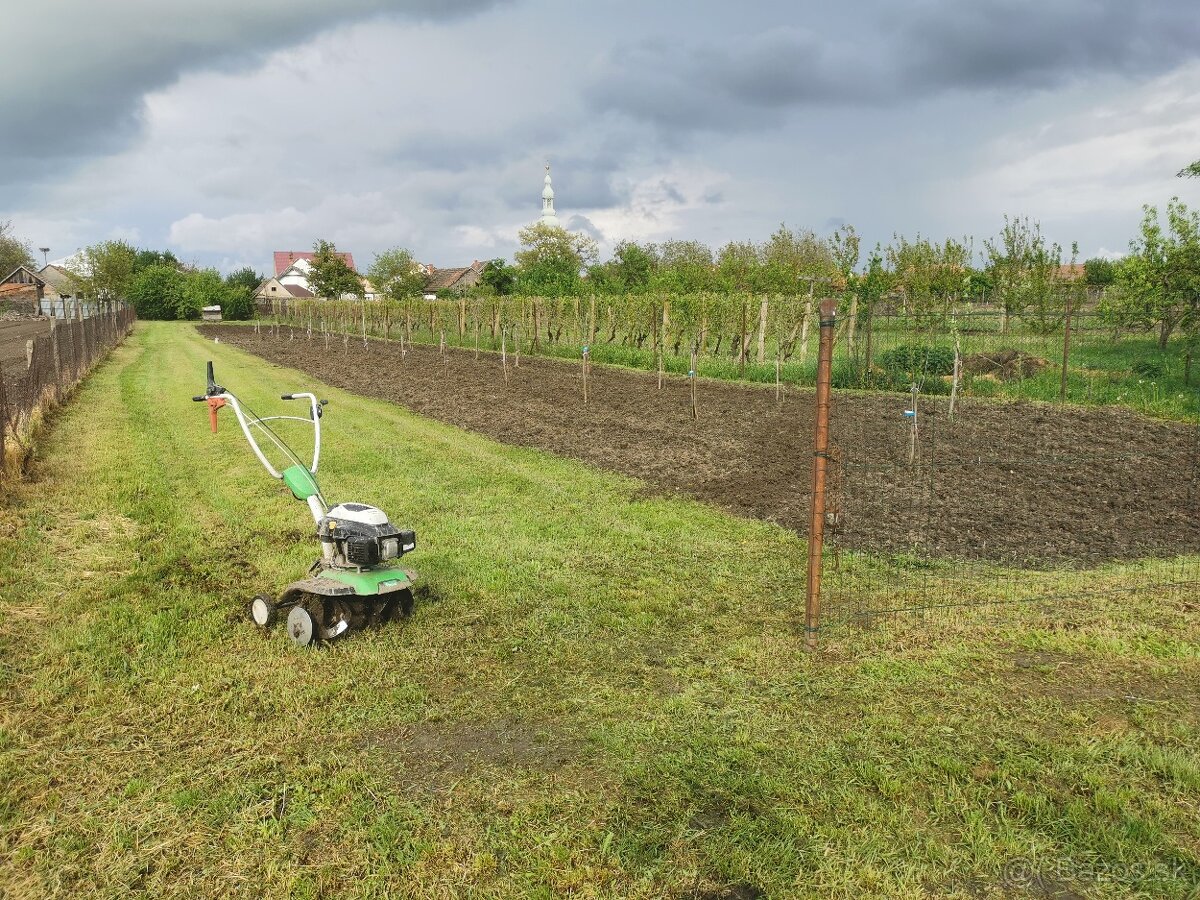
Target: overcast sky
column 225, row 129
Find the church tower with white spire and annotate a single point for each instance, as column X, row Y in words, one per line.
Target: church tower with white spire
column 548, row 215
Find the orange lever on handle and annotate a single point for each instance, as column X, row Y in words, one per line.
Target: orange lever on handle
column 214, row 403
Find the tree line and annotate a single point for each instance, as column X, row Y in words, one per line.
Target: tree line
column 156, row 282
column 1156, row 285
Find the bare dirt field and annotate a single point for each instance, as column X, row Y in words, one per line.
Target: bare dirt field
column 13, row 335
column 1018, row 483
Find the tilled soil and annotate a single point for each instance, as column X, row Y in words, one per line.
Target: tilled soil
column 1020, row 483
column 14, row 334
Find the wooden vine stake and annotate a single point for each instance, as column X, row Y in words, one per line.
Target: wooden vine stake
column 364, row 321
column 776, row 374
column 957, row 375
column 692, row 378
column 477, row 339
column 662, row 340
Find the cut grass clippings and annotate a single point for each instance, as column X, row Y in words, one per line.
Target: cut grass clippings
column 601, row 694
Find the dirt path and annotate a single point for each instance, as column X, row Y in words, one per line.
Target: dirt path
column 1018, row 483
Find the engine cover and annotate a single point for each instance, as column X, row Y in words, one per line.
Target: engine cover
column 362, row 536
column 359, row 513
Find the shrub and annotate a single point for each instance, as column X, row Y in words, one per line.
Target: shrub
column 155, row 292
column 915, row 359
column 1148, row 368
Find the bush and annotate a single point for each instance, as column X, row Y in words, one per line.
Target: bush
column 155, row 292
column 915, row 360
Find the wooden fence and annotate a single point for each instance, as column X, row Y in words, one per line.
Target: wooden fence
column 55, row 363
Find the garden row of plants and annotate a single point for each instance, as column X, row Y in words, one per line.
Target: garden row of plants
column 769, row 338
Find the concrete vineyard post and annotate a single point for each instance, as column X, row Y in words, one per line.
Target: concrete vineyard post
column 742, row 344
column 762, row 331
column 1062, row 388
column 504, row 353
column 912, row 425
column 585, row 375
column 957, row 375
column 816, row 531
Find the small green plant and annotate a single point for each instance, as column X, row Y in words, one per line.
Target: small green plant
column 1149, row 368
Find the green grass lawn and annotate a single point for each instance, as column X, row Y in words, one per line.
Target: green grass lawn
column 602, row 695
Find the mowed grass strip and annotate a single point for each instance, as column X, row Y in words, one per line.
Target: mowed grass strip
column 601, row 695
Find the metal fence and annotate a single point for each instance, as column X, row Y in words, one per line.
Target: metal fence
column 55, row 363
column 939, row 503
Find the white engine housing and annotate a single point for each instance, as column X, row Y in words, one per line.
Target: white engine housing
column 358, row 512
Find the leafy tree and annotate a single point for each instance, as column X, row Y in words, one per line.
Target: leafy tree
column 552, row 260
column 145, row 258
column 844, row 250
column 930, row 277
column 329, row 276
column 633, row 266
column 1190, row 171
column 685, row 267
column 739, row 267
column 499, row 277
column 13, row 251
column 1099, row 272
column 201, row 289
column 977, row 285
column 106, row 270
column 788, row 257
column 156, row 291
column 1024, row 269
column 395, row 273
column 240, row 286
column 1161, row 275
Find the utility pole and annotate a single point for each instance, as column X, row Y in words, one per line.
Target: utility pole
column 45, row 255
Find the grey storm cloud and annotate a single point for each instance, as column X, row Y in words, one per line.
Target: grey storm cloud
column 908, row 52
column 75, row 78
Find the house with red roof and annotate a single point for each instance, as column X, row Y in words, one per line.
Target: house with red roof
column 284, row 259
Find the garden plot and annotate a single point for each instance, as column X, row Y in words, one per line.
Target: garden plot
column 1023, row 483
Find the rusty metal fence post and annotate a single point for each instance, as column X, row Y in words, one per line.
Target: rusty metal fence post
column 816, row 532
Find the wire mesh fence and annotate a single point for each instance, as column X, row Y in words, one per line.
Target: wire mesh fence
column 55, row 362
column 940, row 498
column 969, row 504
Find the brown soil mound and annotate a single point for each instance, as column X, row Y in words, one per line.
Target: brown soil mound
column 1015, row 482
column 1006, row 365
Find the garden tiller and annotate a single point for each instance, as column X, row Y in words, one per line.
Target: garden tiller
column 357, row 580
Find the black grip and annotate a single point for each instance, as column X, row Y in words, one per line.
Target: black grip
column 199, row 399
column 286, row 397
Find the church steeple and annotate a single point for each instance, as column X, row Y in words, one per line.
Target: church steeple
column 548, row 215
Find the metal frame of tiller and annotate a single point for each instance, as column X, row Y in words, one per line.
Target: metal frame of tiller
column 357, row 580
